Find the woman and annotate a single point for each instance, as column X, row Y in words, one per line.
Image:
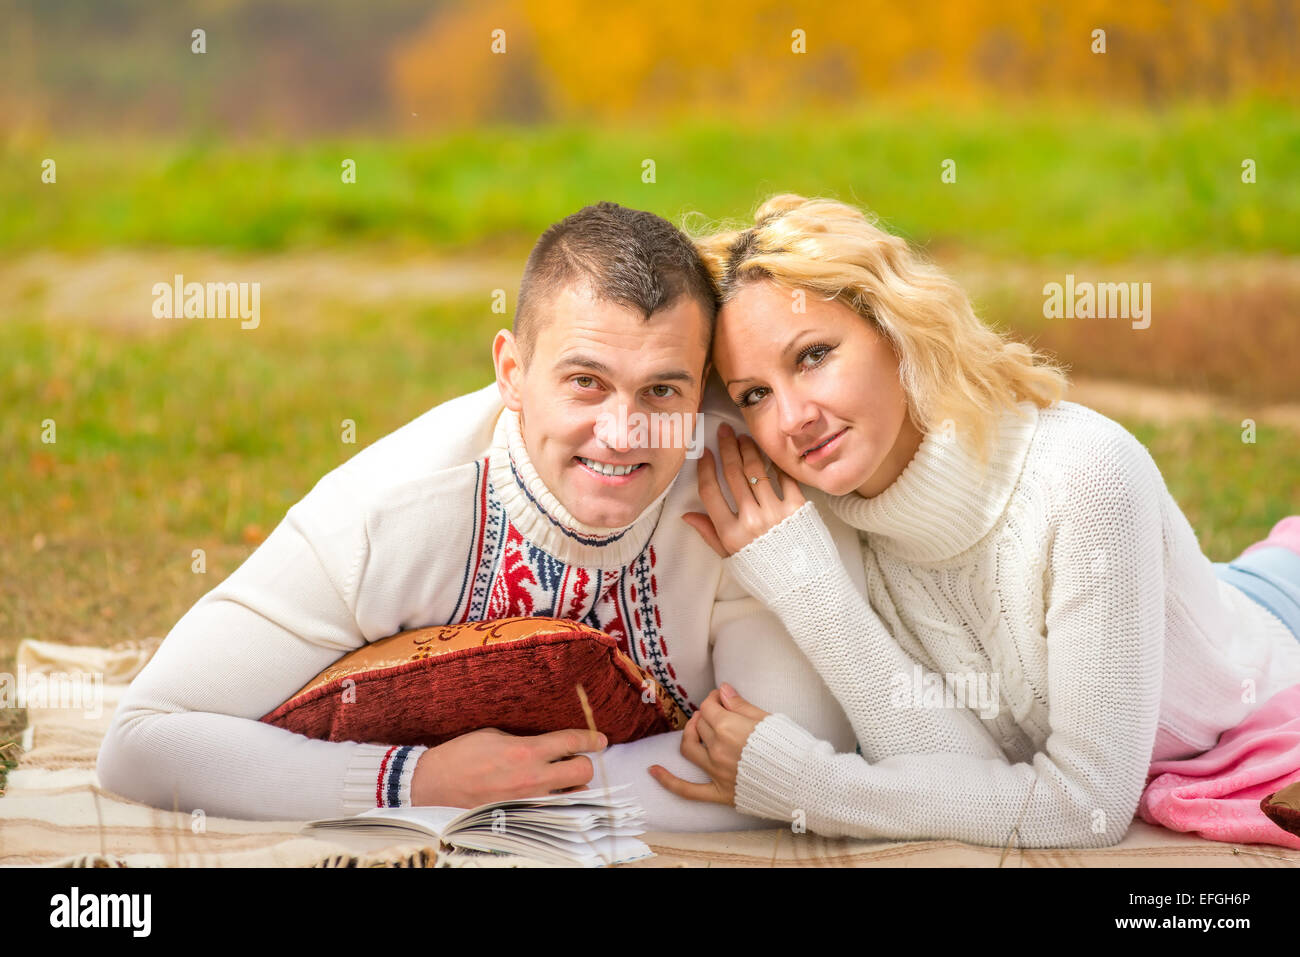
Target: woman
column 1039, row 622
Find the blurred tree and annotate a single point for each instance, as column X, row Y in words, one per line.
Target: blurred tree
column 326, row 65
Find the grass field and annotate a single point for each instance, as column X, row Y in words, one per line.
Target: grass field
column 1063, row 179
column 202, row 436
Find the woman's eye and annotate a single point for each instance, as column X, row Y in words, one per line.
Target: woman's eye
column 815, row 353
column 749, row 397
column 668, row 392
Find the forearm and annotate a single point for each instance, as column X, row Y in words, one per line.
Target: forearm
column 187, row 732
column 786, row 773
column 797, row 572
column 237, row 767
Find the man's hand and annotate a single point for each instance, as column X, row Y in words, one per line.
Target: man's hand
column 489, row 765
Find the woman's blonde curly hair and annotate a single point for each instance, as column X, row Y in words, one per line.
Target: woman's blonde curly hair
column 952, row 367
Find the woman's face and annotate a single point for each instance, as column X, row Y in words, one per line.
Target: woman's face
column 818, row 388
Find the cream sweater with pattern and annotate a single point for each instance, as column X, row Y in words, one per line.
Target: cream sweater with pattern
column 1064, row 583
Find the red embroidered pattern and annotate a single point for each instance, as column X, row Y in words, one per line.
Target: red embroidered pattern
column 513, row 577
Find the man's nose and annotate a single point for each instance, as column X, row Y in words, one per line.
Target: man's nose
column 612, row 428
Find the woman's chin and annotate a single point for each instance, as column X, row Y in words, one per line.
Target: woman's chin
column 833, row 481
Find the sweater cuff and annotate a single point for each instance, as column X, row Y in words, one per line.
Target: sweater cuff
column 770, row 766
column 380, row 776
column 791, row 553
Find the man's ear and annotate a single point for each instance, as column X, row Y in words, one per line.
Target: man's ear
column 509, row 369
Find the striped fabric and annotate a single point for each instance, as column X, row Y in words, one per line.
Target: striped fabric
column 55, row 813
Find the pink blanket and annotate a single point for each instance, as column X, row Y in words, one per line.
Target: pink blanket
column 1217, row 794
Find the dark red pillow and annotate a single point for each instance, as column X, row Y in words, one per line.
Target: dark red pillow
column 1283, row 808
column 516, row 674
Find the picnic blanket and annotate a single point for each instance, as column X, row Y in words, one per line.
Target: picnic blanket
column 54, row 813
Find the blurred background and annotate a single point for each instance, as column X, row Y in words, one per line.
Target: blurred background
column 1112, row 140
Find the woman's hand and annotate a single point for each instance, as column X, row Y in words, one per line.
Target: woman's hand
column 713, row 741
column 759, row 507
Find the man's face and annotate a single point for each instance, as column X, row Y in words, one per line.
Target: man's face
column 606, row 390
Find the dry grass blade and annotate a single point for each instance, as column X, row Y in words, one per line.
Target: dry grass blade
column 591, row 723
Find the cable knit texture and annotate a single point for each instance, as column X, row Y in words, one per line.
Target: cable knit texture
column 1025, row 638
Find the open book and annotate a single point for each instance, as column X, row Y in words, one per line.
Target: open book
column 588, row 828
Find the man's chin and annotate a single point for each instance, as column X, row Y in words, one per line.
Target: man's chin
column 618, row 517
column 606, row 511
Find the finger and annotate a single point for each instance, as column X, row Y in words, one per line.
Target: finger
column 733, row 471
column 693, row 749
column 754, row 467
column 704, row 525
column 710, row 492
column 791, row 493
column 733, row 701
column 707, row 732
column 555, row 745
column 687, row 789
column 712, row 707
column 569, row 772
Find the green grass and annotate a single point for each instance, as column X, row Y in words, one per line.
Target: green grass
column 1231, row 491
column 202, row 436
column 1069, row 180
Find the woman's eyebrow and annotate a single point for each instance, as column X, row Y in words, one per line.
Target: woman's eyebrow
column 784, row 352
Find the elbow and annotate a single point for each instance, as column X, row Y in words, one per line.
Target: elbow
column 1116, row 827
column 1106, row 821
column 112, row 766
column 121, row 766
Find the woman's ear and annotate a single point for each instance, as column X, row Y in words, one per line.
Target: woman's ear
column 509, row 369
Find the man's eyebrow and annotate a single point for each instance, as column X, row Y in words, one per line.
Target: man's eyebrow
column 784, row 352
column 579, row 361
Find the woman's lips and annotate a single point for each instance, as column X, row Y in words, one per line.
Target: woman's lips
column 824, row 450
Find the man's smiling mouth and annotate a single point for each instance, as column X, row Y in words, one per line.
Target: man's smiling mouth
column 600, row 468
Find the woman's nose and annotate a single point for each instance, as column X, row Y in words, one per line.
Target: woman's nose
column 795, row 413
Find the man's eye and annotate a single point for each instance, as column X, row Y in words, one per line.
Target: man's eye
column 668, row 392
column 584, row 381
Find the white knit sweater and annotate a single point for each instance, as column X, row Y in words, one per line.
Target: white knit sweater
column 1067, row 573
column 444, row 520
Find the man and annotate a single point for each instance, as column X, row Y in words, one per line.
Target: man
column 528, row 497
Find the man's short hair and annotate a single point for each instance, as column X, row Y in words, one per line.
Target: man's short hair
column 627, row 256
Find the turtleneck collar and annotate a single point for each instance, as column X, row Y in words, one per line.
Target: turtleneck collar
column 944, row 501
column 538, row 515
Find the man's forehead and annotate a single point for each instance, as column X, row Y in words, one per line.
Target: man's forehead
column 581, row 324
